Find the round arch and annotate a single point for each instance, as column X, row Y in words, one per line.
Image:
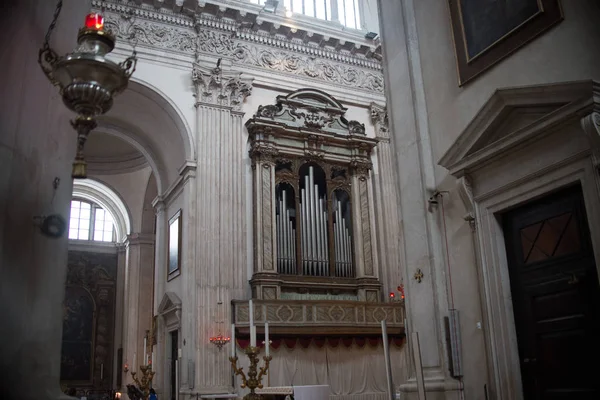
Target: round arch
column 92, row 190
column 151, row 122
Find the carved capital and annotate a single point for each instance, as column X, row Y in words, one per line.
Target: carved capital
column 263, row 151
column 379, row 118
column 361, row 167
column 591, row 126
column 218, row 87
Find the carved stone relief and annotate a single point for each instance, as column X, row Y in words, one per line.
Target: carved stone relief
column 267, row 223
column 366, row 227
column 151, row 28
column 379, row 118
column 215, row 86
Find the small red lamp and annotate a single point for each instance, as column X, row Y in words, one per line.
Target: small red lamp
column 220, row 340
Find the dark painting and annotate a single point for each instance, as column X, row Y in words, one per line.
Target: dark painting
column 88, row 318
column 487, row 21
column 78, row 328
column 487, row 31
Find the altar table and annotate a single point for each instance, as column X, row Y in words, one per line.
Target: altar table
column 312, row 392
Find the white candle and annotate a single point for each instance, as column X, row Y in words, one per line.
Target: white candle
column 101, row 371
column 232, row 340
column 253, row 336
column 251, row 313
column 134, row 367
column 145, row 355
column 267, row 339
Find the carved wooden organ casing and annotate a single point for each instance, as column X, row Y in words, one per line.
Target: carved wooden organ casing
column 313, row 233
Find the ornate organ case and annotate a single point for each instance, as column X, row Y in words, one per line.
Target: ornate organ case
column 313, row 229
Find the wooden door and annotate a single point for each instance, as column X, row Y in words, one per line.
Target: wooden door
column 556, row 297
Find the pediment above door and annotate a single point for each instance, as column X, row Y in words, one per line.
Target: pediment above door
column 515, row 116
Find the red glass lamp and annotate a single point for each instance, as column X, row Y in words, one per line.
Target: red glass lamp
column 220, row 340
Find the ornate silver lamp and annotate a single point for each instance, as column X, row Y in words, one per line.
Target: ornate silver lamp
column 87, row 80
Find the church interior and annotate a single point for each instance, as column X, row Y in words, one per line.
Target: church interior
column 300, row 199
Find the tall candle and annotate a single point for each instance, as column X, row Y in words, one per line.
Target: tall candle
column 253, row 336
column 145, row 356
column 134, row 367
column 267, row 339
column 232, row 340
column 101, row 371
column 251, row 312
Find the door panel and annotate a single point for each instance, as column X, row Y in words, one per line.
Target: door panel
column 556, row 297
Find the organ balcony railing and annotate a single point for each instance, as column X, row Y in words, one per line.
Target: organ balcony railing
column 322, row 317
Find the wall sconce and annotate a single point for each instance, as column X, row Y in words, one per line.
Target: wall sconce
column 87, row 80
column 220, row 340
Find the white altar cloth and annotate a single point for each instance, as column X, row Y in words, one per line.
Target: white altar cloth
column 312, row 392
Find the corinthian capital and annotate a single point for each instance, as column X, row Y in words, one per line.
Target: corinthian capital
column 379, row 118
column 219, row 87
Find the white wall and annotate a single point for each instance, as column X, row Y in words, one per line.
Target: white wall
column 37, row 145
column 428, row 107
column 131, row 187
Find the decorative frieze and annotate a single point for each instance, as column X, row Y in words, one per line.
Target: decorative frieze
column 321, row 316
column 207, row 35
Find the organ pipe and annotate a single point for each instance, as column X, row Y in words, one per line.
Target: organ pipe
column 286, row 234
column 314, row 245
column 343, row 244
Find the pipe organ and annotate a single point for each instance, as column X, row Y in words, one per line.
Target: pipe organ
column 286, row 236
column 313, row 218
column 313, row 213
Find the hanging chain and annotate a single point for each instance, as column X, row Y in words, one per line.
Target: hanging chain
column 52, row 25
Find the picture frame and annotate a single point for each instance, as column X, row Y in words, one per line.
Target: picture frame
column 487, row 31
column 174, row 246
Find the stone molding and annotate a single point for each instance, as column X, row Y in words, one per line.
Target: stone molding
column 272, row 51
column 214, row 86
column 465, row 191
column 591, row 125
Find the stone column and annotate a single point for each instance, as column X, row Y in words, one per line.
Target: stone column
column 386, row 204
column 37, row 146
column 119, row 315
column 160, row 266
column 138, row 309
column 221, row 229
column 426, row 298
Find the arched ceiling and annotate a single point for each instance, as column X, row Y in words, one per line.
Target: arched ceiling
column 108, row 154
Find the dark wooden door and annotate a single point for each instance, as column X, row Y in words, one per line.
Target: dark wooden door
column 174, row 358
column 556, row 297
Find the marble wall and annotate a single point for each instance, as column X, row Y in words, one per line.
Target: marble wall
column 428, row 112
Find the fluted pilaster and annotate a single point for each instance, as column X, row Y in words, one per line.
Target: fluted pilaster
column 220, row 257
column 386, row 203
column 138, row 311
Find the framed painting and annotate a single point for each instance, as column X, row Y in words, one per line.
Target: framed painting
column 486, row 31
column 174, row 246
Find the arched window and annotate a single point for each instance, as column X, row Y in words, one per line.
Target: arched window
column 345, row 11
column 89, row 221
